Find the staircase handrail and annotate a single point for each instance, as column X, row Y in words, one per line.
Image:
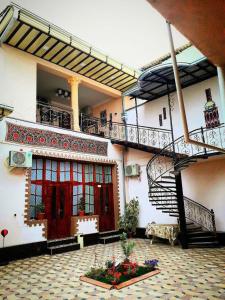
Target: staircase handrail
column 199, row 150
column 199, row 214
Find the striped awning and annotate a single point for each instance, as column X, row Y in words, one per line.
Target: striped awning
column 25, row 31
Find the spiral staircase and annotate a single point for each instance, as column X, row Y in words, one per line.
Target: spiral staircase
column 197, row 223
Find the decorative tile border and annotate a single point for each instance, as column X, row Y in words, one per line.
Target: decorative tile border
column 76, row 219
column 27, row 220
column 46, row 138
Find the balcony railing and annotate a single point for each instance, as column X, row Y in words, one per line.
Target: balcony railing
column 143, row 135
column 54, row 116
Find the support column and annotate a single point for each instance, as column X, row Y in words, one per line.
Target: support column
column 74, row 85
column 180, row 205
column 221, row 81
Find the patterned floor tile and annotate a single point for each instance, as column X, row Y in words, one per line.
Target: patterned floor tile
column 185, row 274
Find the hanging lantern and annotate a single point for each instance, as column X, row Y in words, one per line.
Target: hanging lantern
column 211, row 111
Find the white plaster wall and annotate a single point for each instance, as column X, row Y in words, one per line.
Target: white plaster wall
column 195, row 99
column 18, row 82
column 138, row 187
column 205, row 183
column 87, row 226
column 12, row 184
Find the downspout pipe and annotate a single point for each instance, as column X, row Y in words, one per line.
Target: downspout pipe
column 180, row 99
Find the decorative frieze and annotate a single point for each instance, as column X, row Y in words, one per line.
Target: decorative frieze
column 51, row 139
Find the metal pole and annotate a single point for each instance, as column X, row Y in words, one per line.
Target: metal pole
column 136, row 110
column 171, row 120
column 124, row 117
column 221, row 81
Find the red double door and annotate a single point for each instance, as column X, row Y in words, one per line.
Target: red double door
column 104, row 206
column 58, row 209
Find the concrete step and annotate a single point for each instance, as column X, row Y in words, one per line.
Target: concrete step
column 62, row 241
column 63, row 248
column 108, row 233
column 109, row 239
column 203, row 245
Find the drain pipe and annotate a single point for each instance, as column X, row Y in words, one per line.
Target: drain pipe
column 181, row 100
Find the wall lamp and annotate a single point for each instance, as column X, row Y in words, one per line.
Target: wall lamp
column 63, row 93
column 5, row 110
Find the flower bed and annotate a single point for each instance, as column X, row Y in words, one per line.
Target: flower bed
column 120, row 274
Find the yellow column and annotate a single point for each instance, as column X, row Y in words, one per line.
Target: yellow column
column 74, row 85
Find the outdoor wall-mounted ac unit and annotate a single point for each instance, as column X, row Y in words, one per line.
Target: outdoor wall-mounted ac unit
column 132, row 170
column 20, row 159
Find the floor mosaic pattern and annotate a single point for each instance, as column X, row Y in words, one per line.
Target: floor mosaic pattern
column 185, row 274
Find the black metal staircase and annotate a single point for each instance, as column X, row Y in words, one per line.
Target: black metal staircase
column 197, row 223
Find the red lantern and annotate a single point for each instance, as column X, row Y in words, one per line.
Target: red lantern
column 4, row 232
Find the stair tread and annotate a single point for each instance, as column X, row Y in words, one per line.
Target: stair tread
column 168, row 177
column 105, row 232
column 109, row 237
column 201, row 237
column 203, row 243
column 62, row 246
column 61, row 239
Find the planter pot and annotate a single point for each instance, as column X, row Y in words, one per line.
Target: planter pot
column 81, row 213
column 40, row 216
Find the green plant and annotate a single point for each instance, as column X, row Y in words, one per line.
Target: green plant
column 95, row 273
column 127, row 246
column 81, row 204
column 129, row 221
column 40, row 208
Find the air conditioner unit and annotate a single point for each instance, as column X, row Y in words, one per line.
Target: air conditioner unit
column 132, row 170
column 20, row 159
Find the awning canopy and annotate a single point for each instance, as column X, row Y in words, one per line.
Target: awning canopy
column 158, row 80
column 32, row 34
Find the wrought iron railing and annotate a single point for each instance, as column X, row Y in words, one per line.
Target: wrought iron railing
column 149, row 136
column 161, row 165
column 199, row 214
column 54, row 116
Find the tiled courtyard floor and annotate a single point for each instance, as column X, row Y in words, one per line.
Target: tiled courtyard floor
column 185, row 274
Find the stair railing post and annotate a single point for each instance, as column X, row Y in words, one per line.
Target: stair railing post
column 124, row 118
column 213, row 221
column 181, row 210
column 203, row 139
column 171, row 122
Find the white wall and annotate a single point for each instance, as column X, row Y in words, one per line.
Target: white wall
column 12, row 184
column 18, row 83
column 139, row 187
column 205, row 183
column 195, row 99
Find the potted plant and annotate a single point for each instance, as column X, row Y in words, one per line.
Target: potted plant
column 40, row 211
column 81, row 209
column 129, row 221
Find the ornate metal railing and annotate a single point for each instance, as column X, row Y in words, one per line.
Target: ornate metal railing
column 162, row 165
column 53, row 116
column 149, row 136
column 199, row 214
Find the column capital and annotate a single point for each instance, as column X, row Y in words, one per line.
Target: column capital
column 73, row 80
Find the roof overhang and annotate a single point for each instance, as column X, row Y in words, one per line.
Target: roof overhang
column 202, row 22
column 25, row 31
column 158, row 81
